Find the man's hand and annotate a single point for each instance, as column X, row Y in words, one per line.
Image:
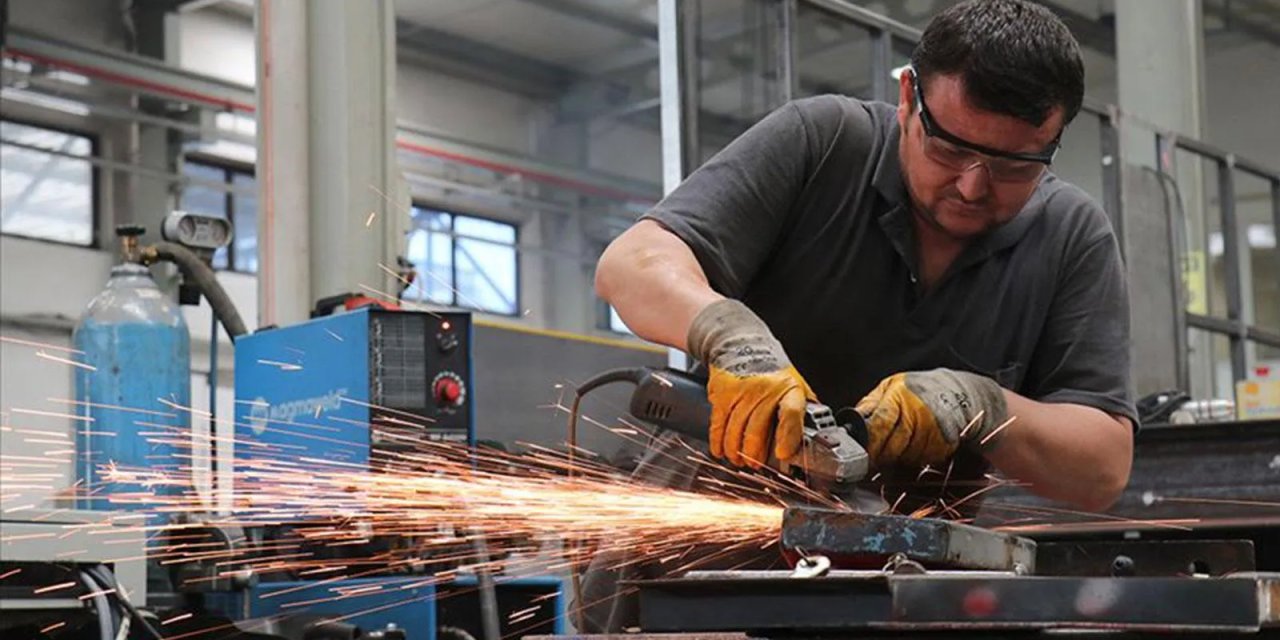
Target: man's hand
column 921, row 417
column 756, row 395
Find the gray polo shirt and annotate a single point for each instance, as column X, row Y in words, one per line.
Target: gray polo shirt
column 806, row 220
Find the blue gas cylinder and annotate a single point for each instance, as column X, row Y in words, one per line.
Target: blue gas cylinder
column 136, row 341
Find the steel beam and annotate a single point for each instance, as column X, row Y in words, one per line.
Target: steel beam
column 867, row 18
column 774, row 605
column 458, row 55
column 1185, row 478
column 788, row 74
column 1231, row 262
column 593, row 14
column 1166, row 159
column 1111, row 178
column 1275, row 226
column 140, row 73
column 881, row 65
column 678, row 81
column 161, row 80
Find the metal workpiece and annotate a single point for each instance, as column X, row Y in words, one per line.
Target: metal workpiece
column 1198, row 476
column 860, row 540
column 1145, row 558
column 1232, row 604
column 849, row 602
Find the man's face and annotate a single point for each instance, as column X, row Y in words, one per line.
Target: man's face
column 957, row 191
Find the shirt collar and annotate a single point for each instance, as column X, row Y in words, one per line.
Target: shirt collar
column 888, row 175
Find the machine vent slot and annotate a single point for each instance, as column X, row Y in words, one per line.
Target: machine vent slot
column 657, row 410
column 398, row 361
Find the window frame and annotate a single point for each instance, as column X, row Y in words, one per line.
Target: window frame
column 95, row 181
column 228, row 168
column 454, row 213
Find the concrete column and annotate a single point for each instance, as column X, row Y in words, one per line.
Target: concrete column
column 337, row 205
column 284, row 221
column 1160, row 68
column 1160, row 72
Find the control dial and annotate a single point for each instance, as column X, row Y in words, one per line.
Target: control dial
column 447, row 341
column 448, row 390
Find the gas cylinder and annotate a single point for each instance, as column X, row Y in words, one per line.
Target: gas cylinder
column 133, row 394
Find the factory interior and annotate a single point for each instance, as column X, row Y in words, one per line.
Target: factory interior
column 478, row 319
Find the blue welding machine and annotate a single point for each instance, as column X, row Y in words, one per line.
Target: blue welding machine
column 344, row 386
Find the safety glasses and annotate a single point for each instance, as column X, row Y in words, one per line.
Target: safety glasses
column 961, row 155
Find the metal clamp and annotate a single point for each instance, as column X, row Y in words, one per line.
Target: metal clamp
column 900, row 564
column 812, row 567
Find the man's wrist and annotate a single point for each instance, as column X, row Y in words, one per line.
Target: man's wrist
column 728, row 334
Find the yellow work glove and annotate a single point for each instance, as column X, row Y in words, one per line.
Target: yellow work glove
column 756, row 395
column 922, row 417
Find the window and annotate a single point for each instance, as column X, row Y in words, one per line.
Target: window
column 463, row 261
column 46, row 194
column 236, row 200
column 616, row 323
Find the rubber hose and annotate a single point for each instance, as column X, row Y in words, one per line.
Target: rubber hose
column 203, row 278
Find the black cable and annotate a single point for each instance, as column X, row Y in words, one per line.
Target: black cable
column 204, row 278
column 107, row 581
column 1177, row 237
column 633, row 375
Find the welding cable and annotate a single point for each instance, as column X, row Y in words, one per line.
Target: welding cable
column 107, row 621
column 107, row 581
column 633, row 375
column 453, row 633
column 203, row 278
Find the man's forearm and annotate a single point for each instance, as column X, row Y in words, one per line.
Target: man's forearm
column 654, row 281
column 1067, row 452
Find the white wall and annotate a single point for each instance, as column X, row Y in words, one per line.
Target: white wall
column 626, row 150
column 216, row 44
column 1242, row 86
column 466, row 110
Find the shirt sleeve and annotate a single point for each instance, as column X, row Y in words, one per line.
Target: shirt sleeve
column 732, row 210
column 1083, row 353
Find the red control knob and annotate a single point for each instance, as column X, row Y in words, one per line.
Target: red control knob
column 448, row 391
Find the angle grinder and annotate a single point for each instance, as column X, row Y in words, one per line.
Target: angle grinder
column 832, row 454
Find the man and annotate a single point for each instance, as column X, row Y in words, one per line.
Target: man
column 918, row 263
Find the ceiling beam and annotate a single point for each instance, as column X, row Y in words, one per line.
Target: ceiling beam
column 1238, row 17
column 482, row 62
column 595, row 15
column 1098, row 34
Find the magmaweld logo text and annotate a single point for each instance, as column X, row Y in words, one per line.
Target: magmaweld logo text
column 261, row 412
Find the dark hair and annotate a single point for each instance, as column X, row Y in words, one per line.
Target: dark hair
column 1015, row 58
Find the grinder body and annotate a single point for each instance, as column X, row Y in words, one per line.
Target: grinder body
column 831, row 452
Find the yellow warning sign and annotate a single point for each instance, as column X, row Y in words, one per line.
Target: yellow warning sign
column 1195, row 282
column 1257, row 399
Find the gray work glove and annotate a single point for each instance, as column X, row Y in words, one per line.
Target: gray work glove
column 757, row 396
column 922, row 417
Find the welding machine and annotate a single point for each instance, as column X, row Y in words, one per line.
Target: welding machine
column 343, row 387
